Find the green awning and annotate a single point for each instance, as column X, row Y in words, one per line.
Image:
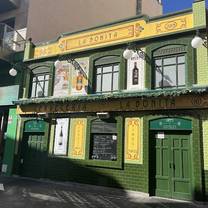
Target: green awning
column 118, row 95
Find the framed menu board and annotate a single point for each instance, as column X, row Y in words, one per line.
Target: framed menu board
column 104, row 147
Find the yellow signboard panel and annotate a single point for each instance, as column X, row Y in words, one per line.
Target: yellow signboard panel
column 133, row 140
column 77, row 138
column 120, row 33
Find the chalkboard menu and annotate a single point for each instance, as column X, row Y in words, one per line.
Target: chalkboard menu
column 104, row 147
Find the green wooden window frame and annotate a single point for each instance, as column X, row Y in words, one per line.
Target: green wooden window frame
column 40, row 85
column 39, row 69
column 107, row 58
column 117, row 164
column 162, row 80
column 101, row 72
column 184, row 43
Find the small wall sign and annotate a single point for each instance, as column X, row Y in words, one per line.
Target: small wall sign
column 171, row 124
column 160, row 135
column 35, row 126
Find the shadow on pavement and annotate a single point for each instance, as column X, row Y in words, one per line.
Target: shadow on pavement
column 21, row 192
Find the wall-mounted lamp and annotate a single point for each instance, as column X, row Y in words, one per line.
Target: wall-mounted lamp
column 58, row 64
column 130, row 52
column 15, row 69
column 13, row 72
column 199, row 41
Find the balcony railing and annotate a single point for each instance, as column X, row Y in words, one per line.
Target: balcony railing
column 7, row 5
column 10, row 41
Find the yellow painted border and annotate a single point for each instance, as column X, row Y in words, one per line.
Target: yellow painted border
column 140, row 141
column 120, row 33
column 73, row 138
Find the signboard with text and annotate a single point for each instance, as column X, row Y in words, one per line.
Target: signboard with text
column 115, row 34
column 133, row 104
column 34, row 126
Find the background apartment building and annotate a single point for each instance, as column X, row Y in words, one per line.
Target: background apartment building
column 13, row 17
column 48, row 19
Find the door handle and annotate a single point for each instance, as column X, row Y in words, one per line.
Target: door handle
column 172, row 165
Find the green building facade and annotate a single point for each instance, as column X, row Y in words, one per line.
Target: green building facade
column 89, row 115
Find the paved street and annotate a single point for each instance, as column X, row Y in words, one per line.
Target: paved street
column 18, row 192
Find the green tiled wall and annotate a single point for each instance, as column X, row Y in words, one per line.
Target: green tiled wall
column 205, row 143
column 205, row 151
column 199, row 10
column 125, row 176
column 133, row 177
column 202, row 66
column 10, row 141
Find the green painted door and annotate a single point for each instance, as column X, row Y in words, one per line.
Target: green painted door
column 33, row 154
column 173, row 165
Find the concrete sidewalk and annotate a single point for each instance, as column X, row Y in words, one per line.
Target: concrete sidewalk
column 16, row 192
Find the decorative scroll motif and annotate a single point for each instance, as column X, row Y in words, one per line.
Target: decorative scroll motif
column 133, row 146
column 77, row 144
column 138, row 29
column 62, row 45
column 171, row 25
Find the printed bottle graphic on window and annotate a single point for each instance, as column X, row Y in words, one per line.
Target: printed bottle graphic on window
column 60, row 141
column 79, row 81
column 135, row 74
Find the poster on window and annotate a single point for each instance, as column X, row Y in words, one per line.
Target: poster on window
column 62, row 80
column 61, row 136
column 79, row 78
column 135, row 71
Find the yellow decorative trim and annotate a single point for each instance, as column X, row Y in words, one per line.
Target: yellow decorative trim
column 123, row 32
column 77, row 138
column 172, row 25
column 133, row 141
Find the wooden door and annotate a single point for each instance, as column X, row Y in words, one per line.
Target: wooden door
column 173, row 165
column 34, row 155
column 180, row 166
